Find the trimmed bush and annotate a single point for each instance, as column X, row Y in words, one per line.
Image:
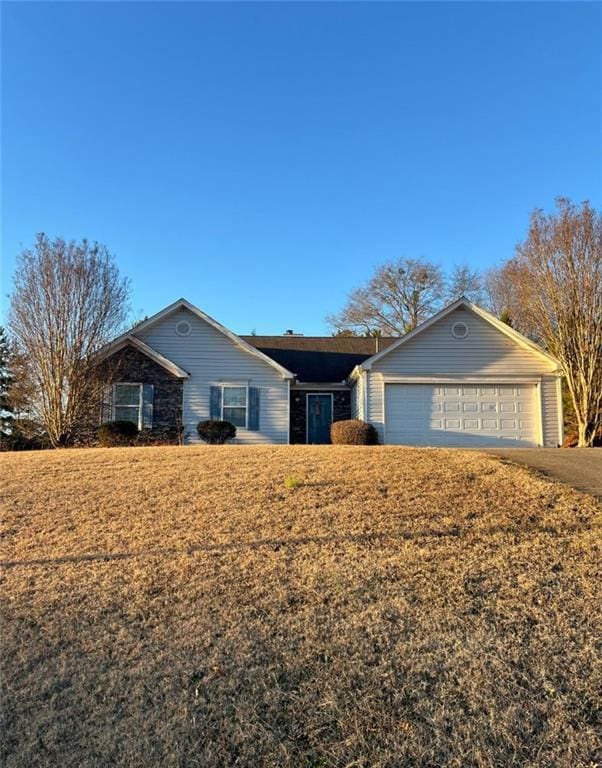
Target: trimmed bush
column 114, row 433
column 216, row 432
column 353, row 432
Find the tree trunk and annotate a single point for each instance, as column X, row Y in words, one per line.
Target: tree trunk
column 586, row 434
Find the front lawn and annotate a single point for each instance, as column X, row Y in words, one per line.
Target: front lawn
column 390, row 607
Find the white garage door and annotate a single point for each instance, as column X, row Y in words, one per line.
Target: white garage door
column 466, row 414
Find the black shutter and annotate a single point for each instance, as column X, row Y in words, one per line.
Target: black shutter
column 253, row 419
column 215, row 404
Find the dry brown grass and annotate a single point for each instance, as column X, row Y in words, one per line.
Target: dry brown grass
column 182, row 607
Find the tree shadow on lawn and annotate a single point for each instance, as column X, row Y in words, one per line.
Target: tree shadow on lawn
column 359, row 538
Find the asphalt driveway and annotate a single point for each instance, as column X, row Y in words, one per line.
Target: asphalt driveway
column 579, row 467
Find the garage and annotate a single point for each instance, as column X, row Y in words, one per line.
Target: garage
column 466, row 414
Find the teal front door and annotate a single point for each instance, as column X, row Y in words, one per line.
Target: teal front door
column 319, row 418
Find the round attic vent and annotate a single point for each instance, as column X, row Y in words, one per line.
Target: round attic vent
column 183, row 328
column 459, row 330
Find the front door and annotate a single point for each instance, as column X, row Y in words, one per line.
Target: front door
column 319, row 418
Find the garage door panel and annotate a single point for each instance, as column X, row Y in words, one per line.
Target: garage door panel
column 471, row 414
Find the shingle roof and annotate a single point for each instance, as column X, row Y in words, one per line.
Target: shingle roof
column 319, row 358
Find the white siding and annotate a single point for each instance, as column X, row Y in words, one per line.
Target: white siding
column 212, row 358
column 484, row 352
column 357, row 398
column 551, row 412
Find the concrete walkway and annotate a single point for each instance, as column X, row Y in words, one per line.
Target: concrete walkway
column 579, row 467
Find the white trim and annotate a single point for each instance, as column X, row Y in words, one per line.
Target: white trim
column 391, row 379
column 365, row 393
column 321, row 385
column 539, row 396
column 316, row 394
column 127, row 340
column 384, row 402
column 560, row 410
column 288, row 413
column 246, row 406
column 231, row 382
column 140, row 399
column 183, row 303
column 463, row 302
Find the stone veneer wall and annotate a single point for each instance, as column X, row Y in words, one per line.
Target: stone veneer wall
column 129, row 365
column 341, row 409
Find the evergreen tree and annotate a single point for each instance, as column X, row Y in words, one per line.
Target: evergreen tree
column 505, row 317
column 6, row 379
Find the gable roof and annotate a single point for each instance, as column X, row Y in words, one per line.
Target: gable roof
column 128, row 340
column 184, row 304
column 515, row 336
column 319, row 358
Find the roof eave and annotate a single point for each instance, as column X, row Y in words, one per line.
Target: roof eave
column 184, row 303
column 145, row 349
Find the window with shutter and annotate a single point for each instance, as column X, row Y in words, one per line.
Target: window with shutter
column 234, row 405
column 129, row 402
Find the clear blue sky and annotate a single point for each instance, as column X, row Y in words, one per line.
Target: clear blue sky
column 260, row 159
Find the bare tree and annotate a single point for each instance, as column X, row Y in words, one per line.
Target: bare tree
column 68, row 300
column 466, row 282
column 398, row 296
column 552, row 290
column 503, row 298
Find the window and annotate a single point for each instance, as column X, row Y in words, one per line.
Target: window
column 127, row 403
column 234, row 405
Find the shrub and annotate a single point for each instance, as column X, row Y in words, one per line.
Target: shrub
column 17, row 440
column 353, row 432
column 292, row 482
column 114, row 433
column 160, row 436
column 571, row 440
column 216, row 432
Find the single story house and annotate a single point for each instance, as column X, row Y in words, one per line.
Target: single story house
column 462, row 378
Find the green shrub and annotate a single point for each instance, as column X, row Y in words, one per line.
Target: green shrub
column 114, row 433
column 216, row 432
column 353, row 432
column 292, row 482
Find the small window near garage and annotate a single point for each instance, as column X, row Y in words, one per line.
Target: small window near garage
column 459, row 330
column 183, row 328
